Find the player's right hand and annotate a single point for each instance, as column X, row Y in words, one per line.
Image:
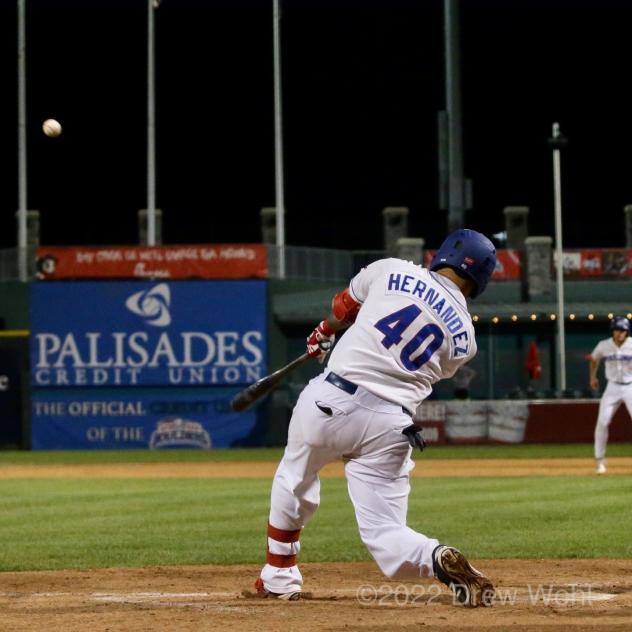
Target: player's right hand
column 320, row 341
column 594, row 384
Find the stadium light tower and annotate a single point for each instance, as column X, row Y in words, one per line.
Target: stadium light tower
column 22, row 199
column 455, row 191
column 557, row 142
column 278, row 141
column 152, row 5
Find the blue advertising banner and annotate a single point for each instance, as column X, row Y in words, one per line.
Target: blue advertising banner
column 137, row 418
column 135, row 333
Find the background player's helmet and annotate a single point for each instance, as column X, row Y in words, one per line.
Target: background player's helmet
column 471, row 254
column 621, row 323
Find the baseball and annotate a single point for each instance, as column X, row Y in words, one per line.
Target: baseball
column 51, row 127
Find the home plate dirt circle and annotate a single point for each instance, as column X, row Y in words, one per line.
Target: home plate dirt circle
column 532, row 595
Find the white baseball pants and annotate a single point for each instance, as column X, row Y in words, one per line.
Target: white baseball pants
column 611, row 399
column 365, row 431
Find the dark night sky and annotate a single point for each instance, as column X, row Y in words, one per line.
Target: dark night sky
column 363, row 82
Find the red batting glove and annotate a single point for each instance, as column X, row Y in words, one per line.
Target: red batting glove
column 320, row 341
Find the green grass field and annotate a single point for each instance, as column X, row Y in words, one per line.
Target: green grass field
column 54, row 524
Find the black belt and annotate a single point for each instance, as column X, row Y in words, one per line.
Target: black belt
column 622, row 383
column 341, row 383
column 349, row 387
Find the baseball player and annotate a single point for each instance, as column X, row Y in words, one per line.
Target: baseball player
column 408, row 328
column 616, row 352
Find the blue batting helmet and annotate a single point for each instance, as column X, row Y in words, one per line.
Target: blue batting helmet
column 620, row 322
column 471, row 254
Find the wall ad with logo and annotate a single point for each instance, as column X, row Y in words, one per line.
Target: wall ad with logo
column 187, row 333
column 99, row 349
column 138, row 418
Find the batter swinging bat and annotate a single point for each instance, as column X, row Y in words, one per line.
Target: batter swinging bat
column 244, row 399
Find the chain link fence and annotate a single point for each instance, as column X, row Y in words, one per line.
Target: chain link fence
column 317, row 264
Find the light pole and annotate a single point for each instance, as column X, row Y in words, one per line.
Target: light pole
column 22, row 199
column 278, row 141
column 557, row 142
column 450, row 122
column 152, row 5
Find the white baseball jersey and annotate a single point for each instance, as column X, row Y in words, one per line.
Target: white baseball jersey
column 413, row 330
column 617, row 360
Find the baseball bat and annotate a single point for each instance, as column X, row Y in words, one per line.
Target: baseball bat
column 253, row 393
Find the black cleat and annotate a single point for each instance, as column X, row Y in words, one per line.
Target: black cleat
column 470, row 586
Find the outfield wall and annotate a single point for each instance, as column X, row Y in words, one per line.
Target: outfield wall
column 517, row 421
column 79, row 400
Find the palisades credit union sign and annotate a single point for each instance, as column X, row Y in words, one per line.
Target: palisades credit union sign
column 184, row 333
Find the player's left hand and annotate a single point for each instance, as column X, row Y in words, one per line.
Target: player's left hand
column 414, row 436
column 320, row 341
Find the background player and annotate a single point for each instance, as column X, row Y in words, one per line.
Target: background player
column 461, row 380
column 616, row 353
column 409, row 328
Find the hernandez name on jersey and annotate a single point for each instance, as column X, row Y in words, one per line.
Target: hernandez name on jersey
column 413, row 330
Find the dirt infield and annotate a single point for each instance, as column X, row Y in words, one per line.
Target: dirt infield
column 266, row 469
column 533, row 595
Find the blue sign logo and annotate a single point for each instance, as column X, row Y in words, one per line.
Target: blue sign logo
column 179, row 433
column 152, row 305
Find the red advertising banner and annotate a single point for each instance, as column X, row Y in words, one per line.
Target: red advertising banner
column 508, row 264
column 608, row 263
column 225, row 261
